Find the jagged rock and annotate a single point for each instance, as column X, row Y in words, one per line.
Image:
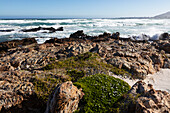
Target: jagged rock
column 78, row 34
column 51, row 29
column 157, row 59
column 4, row 46
column 167, row 63
column 105, row 35
column 164, row 36
column 138, row 71
column 9, row 99
column 148, row 100
column 165, row 47
column 60, row 29
column 115, row 35
column 64, row 99
column 14, row 86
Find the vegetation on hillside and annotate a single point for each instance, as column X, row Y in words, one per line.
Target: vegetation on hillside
column 90, row 72
column 86, row 64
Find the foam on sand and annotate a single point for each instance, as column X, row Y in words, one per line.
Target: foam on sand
column 159, row 80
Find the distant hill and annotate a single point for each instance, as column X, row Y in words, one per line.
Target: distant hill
column 163, row 16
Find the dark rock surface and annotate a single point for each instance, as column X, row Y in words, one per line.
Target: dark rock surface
column 50, row 29
column 9, row 30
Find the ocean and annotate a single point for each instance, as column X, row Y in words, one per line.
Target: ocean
column 126, row 27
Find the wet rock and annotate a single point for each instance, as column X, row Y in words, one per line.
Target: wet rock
column 31, row 30
column 64, row 99
column 8, row 30
column 164, row 36
column 78, row 34
column 60, row 29
column 105, row 35
column 115, row 35
column 50, row 29
column 53, row 40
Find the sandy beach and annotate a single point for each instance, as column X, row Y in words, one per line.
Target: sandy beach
column 159, row 80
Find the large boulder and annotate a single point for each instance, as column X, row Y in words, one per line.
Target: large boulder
column 64, row 99
column 145, row 99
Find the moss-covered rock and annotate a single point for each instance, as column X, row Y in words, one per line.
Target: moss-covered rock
column 102, row 92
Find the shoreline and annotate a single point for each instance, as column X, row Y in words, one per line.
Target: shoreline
column 30, row 72
column 140, row 29
column 159, row 80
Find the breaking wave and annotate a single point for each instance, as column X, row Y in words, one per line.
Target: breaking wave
column 126, row 27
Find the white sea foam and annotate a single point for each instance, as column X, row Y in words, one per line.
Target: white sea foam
column 126, row 27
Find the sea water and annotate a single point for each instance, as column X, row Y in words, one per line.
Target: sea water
column 126, row 27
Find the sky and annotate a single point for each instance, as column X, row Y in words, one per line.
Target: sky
column 83, row 8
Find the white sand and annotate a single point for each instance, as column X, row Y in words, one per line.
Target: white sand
column 159, row 80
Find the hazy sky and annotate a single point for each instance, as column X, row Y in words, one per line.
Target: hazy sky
column 83, row 8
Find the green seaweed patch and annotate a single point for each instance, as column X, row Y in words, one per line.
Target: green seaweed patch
column 102, row 92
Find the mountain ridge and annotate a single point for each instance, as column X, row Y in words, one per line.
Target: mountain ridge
column 163, row 16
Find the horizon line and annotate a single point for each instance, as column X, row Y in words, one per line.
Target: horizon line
column 54, row 17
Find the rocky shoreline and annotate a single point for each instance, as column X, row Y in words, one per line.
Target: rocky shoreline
column 23, row 62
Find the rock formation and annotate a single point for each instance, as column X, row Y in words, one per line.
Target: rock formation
column 50, row 29
column 147, row 100
column 20, row 59
column 14, row 86
column 4, row 46
column 64, row 99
